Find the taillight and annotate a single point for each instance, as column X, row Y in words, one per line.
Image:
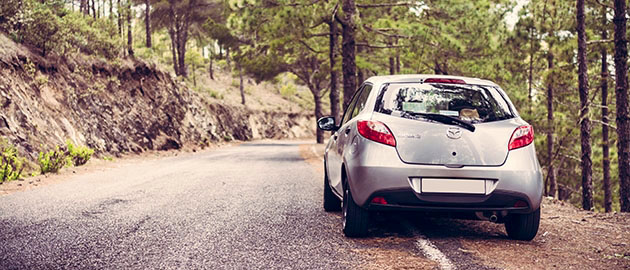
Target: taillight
column 379, row 200
column 444, row 80
column 522, row 136
column 376, row 131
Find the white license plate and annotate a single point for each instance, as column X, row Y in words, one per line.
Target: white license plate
column 442, row 185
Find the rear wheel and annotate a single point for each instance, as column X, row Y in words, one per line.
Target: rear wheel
column 355, row 218
column 331, row 202
column 523, row 226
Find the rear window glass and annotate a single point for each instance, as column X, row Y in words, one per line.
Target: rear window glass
column 472, row 103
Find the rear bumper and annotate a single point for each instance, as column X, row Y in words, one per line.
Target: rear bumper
column 376, row 170
column 408, row 200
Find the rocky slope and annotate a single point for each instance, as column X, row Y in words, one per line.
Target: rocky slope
column 118, row 106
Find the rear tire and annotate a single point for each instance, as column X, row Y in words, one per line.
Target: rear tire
column 331, row 202
column 523, row 226
column 355, row 218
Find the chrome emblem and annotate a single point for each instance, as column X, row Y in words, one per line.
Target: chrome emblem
column 454, row 133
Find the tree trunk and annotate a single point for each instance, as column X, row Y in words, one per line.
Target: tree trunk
column 227, row 58
column 240, row 85
column 348, row 52
column 360, row 72
column 318, row 114
column 181, row 53
column 332, row 54
column 397, row 62
column 120, row 22
column 621, row 93
column 193, row 75
column 129, row 34
column 173, row 36
column 605, row 146
column 392, row 65
column 93, row 9
column 585, row 124
column 551, row 171
column 147, row 22
column 210, row 68
column 530, row 71
column 111, row 10
column 83, row 7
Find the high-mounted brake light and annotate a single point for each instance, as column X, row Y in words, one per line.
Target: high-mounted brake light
column 522, row 136
column 444, row 80
column 376, row 131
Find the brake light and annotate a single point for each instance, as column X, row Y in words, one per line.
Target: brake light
column 444, row 80
column 522, row 136
column 379, row 200
column 376, row 131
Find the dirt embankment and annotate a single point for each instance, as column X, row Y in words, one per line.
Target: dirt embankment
column 118, row 106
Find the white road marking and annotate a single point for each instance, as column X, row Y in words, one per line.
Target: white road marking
column 433, row 253
column 429, row 249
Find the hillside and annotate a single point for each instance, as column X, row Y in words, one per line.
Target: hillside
column 126, row 106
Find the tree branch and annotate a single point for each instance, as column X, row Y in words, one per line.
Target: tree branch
column 591, row 42
column 377, row 5
column 309, row 47
column 380, row 46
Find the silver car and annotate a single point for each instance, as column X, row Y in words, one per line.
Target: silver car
column 432, row 143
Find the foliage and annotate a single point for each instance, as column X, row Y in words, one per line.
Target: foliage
column 68, row 155
column 288, row 90
column 11, row 165
column 42, row 26
column 50, row 26
column 53, row 160
column 79, row 155
column 89, row 35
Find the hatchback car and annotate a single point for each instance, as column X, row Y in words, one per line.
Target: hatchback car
column 432, row 143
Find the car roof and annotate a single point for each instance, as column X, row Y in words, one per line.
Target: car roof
column 420, row 77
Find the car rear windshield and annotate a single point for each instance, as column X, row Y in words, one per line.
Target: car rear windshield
column 471, row 103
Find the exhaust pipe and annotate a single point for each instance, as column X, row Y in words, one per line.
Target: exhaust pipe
column 494, row 218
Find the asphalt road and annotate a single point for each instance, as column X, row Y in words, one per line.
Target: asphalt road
column 252, row 206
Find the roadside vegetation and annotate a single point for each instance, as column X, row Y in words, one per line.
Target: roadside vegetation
column 549, row 56
column 69, row 155
column 11, row 165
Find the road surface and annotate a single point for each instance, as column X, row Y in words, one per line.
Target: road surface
column 252, row 206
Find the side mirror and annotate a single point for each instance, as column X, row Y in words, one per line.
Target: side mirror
column 327, row 123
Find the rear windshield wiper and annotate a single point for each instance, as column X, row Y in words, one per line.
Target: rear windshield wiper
column 445, row 119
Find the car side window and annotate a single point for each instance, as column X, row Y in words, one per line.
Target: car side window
column 361, row 100
column 348, row 114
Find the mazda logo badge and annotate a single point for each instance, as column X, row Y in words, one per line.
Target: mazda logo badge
column 454, row 133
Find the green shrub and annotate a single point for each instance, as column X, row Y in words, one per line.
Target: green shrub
column 288, row 90
column 90, row 36
column 215, row 94
column 29, row 67
column 78, row 155
column 52, row 161
column 41, row 27
column 41, row 80
column 11, row 165
column 50, row 26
